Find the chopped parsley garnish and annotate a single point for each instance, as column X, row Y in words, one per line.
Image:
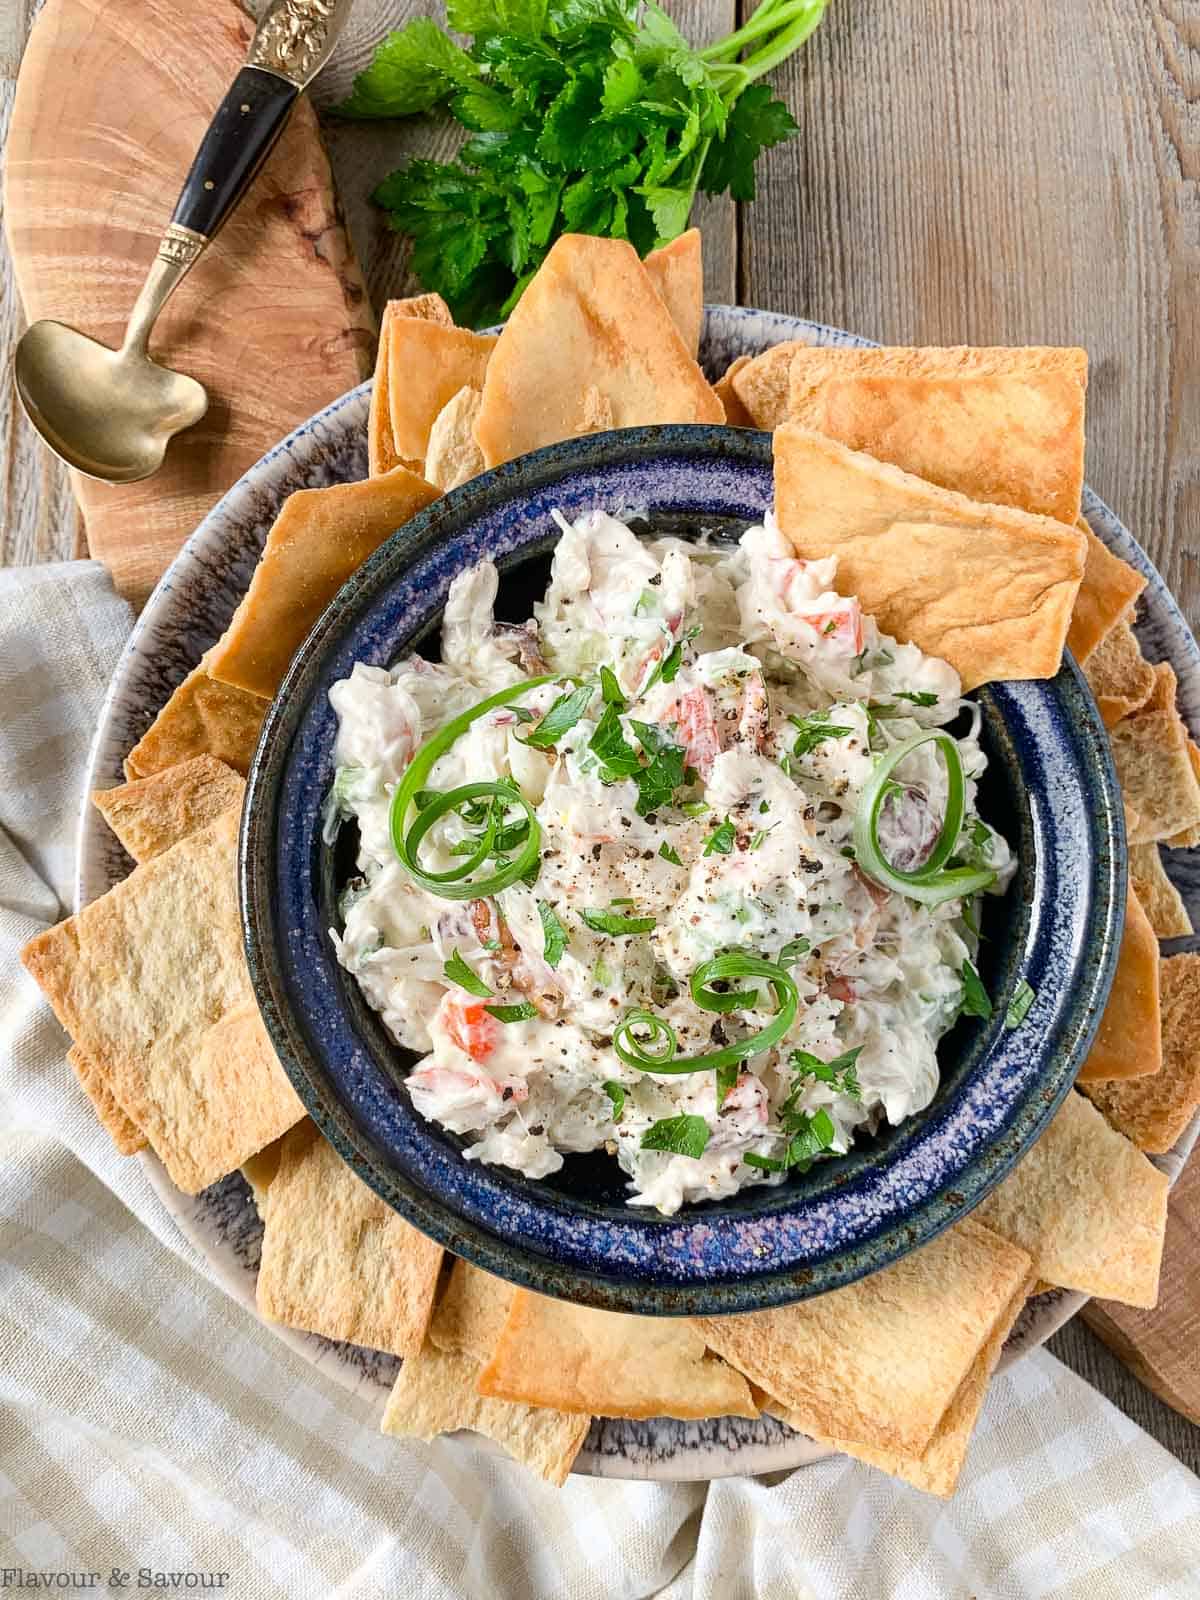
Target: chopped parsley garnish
column 695, row 808
column 808, row 1137
column 617, row 757
column 611, row 689
column 523, row 1012
column 1018, row 1007
column 561, row 717
column 663, row 774
column 554, row 935
column 457, row 971
column 720, row 840
column 646, row 603
column 616, row 1093
column 668, row 854
column 815, row 729
column 679, row 1136
column 764, row 807
column 918, row 697
column 793, row 950
column 523, row 713
column 839, row 1073
column 615, row 923
column 668, row 668
column 975, row 1001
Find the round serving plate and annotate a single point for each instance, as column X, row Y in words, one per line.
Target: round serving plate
column 187, row 613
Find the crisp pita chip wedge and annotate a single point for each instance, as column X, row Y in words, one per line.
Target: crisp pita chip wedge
column 259, row 1172
column 382, row 454
column 125, row 1134
column 1153, row 1112
column 1162, row 695
column 596, row 412
column 604, row 1363
column 1188, row 838
column 1119, row 676
column 1154, row 765
column 677, row 272
column 762, row 384
column 880, row 1360
column 988, row 588
column 936, row 1469
column 471, row 1314
column 1107, row 594
column 736, row 415
column 151, row 814
column 453, row 456
column 1128, row 1042
column 1088, row 1206
column 320, row 538
column 151, row 984
column 202, row 717
column 427, row 365
column 336, row 1259
column 1160, row 899
column 1008, row 430
column 435, row 1393
column 589, row 318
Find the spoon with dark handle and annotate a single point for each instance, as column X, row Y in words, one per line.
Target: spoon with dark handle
column 110, row 413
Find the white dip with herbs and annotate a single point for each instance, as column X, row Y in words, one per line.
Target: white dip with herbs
column 721, row 718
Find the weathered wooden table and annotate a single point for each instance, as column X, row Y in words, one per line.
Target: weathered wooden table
column 966, row 172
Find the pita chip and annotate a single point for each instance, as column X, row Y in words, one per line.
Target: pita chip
column 202, row 717
column 259, row 1172
column 1004, row 425
column 320, row 538
column 427, row 365
column 605, row 1363
column 471, row 1314
column 1160, row 899
column 736, row 415
column 988, row 588
column 336, row 1259
column 151, row 984
column 1154, row 1112
column 151, row 814
column 382, row 454
column 1188, row 838
column 1152, row 753
column 453, row 457
column 880, row 1360
column 1119, row 676
column 435, row 1393
column 590, row 317
column 762, row 384
column 1109, row 589
column 1087, row 1206
column 1128, row 1042
column 125, row 1134
column 677, row 272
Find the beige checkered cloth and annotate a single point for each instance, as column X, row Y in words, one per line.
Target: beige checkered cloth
column 146, row 1422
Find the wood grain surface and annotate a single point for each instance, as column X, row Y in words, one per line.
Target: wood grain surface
column 964, row 172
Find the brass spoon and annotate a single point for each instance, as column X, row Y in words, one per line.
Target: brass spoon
column 111, row 413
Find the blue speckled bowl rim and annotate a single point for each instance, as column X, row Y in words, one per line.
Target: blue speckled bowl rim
column 471, row 1209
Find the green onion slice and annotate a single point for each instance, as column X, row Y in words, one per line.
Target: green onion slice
column 932, row 883
column 656, row 1052
column 457, row 883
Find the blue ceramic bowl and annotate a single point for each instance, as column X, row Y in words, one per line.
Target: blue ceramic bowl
column 1050, row 788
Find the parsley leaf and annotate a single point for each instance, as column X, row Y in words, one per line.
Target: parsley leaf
column 808, row 1138
column 757, row 122
column 814, row 729
column 720, row 840
column 668, row 668
column 680, row 1136
column 615, row 923
column 609, row 745
column 1018, row 1007
column 522, row 1012
column 554, row 935
column 669, row 854
column 561, row 717
column 616, row 1093
column 793, row 950
column 839, row 1073
column 611, row 689
column 414, row 69
column 975, row 1001
column 457, row 971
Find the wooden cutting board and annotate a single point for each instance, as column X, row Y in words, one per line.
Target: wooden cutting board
column 111, row 104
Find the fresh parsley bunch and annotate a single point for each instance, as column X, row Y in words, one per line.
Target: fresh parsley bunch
column 585, row 116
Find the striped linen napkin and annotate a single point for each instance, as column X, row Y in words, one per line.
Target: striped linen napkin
column 148, row 1424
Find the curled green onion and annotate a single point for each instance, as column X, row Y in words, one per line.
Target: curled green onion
column 659, row 1045
column 634, row 1052
column 457, row 883
column 932, row 883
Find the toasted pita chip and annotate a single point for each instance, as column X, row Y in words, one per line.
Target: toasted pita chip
column 1154, row 1112
column 1005, row 427
column 1188, row 838
column 1119, row 676
column 677, row 272
column 736, row 415
column 880, row 1360
column 125, row 1133
column 988, row 588
column 435, row 1393
column 761, row 385
column 202, row 717
column 471, row 1314
column 151, row 984
column 259, row 1172
column 320, row 538
column 1154, row 765
column 1107, row 594
column 336, row 1259
column 382, row 454
column 596, row 412
column 427, row 365
column 151, row 814
column 590, row 317
column 1128, row 1042
column 1162, row 695
column 604, row 1363
column 453, row 456
column 1161, row 900
column 1088, row 1206
column 937, row 1468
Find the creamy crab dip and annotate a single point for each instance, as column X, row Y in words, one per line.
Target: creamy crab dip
column 684, row 868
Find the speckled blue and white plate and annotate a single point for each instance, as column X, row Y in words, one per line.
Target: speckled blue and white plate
column 186, row 614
